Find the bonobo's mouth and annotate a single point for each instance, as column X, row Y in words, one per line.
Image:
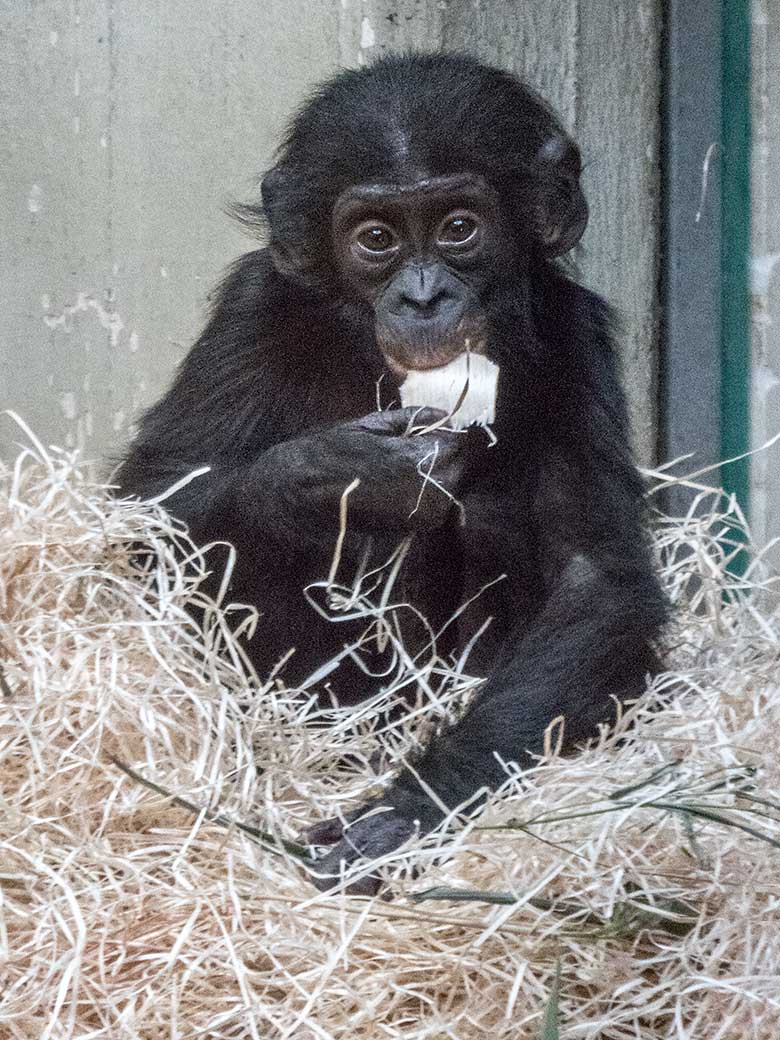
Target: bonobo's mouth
column 425, row 347
column 428, row 362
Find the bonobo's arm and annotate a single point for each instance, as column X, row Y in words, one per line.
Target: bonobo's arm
column 589, row 642
column 283, row 423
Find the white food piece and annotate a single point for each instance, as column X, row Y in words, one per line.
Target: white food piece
column 441, row 388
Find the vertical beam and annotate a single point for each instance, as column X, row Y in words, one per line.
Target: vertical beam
column 690, row 373
column 765, row 274
column 735, row 223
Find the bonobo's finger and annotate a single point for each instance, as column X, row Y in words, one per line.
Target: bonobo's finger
column 329, row 870
column 365, row 886
column 445, row 444
column 442, row 455
column 368, row 838
column 395, row 422
column 326, row 832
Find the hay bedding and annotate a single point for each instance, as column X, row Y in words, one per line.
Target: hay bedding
column 644, row 870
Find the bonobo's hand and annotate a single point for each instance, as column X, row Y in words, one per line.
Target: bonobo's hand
column 362, row 837
column 388, row 457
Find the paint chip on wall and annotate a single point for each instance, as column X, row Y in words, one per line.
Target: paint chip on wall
column 69, row 407
column 367, row 34
column 35, row 199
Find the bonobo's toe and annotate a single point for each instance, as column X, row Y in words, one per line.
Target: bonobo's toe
column 357, row 837
column 326, row 832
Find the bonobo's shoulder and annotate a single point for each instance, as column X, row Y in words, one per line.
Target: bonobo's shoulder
column 253, row 289
column 573, row 316
column 246, row 280
column 579, row 303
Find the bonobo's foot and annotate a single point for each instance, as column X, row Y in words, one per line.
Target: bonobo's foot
column 362, row 837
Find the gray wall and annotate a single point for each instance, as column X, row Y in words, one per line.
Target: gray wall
column 765, row 468
column 125, row 127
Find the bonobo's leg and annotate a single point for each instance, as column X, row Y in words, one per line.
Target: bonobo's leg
column 590, row 644
column 589, row 647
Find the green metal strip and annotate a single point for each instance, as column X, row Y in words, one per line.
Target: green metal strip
column 735, row 249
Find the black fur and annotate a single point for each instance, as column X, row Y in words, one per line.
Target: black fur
column 556, row 505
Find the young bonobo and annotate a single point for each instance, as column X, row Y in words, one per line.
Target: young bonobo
column 416, row 212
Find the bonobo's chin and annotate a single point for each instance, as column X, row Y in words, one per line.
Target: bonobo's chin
column 425, row 347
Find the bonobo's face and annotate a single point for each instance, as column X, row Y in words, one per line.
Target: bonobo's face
column 421, row 255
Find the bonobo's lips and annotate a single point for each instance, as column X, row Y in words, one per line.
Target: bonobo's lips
column 425, row 350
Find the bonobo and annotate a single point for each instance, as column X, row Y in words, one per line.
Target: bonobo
column 417, row 212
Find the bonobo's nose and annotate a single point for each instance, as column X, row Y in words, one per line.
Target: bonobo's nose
column 422, row 292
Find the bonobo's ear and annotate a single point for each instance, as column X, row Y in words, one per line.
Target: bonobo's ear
column 286, row 216
column 271, row 188
column 563, row 211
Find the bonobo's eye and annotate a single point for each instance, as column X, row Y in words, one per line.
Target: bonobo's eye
column 459, row 230
column 374, row 239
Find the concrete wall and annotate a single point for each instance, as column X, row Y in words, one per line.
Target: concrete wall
column 766, row 269
column 127, row 126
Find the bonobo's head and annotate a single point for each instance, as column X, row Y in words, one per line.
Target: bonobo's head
column 417, row 186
